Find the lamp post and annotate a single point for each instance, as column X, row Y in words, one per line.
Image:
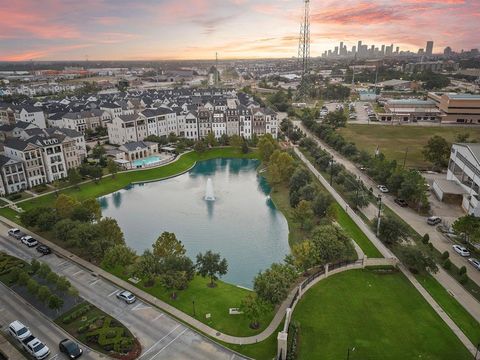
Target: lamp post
column 379, row 198
column 193, row 303
column 476, row 352
column 331, row 170
column 348, row 352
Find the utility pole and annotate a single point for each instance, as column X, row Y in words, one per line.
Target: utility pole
column 405, row 158
column 379, row 213
column 331, row 170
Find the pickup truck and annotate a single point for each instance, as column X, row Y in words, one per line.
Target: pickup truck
column 35, row 347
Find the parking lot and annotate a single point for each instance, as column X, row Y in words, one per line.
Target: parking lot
column 161, row 336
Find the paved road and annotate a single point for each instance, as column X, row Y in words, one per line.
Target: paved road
column 13, row 307
column 161, row 336
column 419, row 224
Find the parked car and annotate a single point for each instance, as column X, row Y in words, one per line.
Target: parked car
column 383, row 188
column 44, row 249
column 401, row 202
column 70, row 348
column 29, row 241
column 433, row 220
column 16, row 233
column 461, row 250
column 475, row 263
column 126, row 296
column 19, row 331
column 35, row 347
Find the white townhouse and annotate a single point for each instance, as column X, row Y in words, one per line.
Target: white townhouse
column 13, row 175
column 219, row 125
column 245, row 122
column 127, row 128
column 30, row 114
column 191, row 126
column 53, row 157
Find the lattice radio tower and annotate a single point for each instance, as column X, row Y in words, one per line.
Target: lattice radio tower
column 304, row 48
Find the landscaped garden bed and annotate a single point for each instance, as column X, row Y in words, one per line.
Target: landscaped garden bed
column 100, row 331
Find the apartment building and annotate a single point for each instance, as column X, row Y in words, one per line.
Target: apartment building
column 53, row 156
column 457, row 108
column 30, row 114
column 83, row 120
column 127, row 128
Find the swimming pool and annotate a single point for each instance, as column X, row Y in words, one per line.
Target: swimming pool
column 148, row 161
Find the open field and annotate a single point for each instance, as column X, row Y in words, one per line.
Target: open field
column 393, row 140
column 381, row 315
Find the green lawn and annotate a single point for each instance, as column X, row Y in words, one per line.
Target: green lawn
column 393, row 140
column 215, row 301
column 109, row 184
column 381, row 315
column 355, row 233
column 452, row 307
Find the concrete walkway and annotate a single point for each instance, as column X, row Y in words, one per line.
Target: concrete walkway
column 388, row 254
column 470, row 303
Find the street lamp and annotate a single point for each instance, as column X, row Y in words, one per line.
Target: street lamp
column 348, row 352
column 331, row 170
column 193, row 303
column 379, row 199
column 476, row 352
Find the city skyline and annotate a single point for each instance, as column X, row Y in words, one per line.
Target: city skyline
column 196, row 29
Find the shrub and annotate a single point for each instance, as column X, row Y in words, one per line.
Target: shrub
column 462, row 270
column 67, row 319
column 445, row 255
column 34, row 265
column 82, row 329
column 14, row 197
column 463, row 279
column 44, row 270
column 425, row 239
column 110, row 334
column 447, row 264
column 44, row 293
column 15, row 274
column 32, row 286
column 52, row 278
column 23, row 278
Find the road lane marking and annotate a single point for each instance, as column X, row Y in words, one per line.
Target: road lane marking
column 113, row 292
column 151, row 347
column 175, row 338
column 158, row 317
column 78, row 272
column 53, row 357
column 63, row 263
column 139, row 307
column 93, row 283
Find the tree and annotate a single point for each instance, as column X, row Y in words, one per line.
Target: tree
column 211, row 140
column 43, row 293
column 44, row 270
column 245, row 148
column 34, row 265
column 272, row 285
column 52, row 278
column 74, row 177
column 84, row 236
column 303, row 212
column 30, row 217
column 437, row 151
column 98, row 151
column 93, row 207
column 112, row 167
column 236, row 141
column 23, row 278
column 146, row 267
column 167, row 245
column 199, row 146
column 120, row 255
column 469, row 227
column 109, row 235
column 266, row 146
column 321, row 203
column 63, row 284
column 210, row 264
column 47, row 220
column 32, row 286
column 177, row 272
column 96, row 172
column 391, row 230
column 414, row 189
column 300, row 178
column 417, row 261
column 304, row 256
column 284, row 164
column 64, row 228
column 64, row 206
column 253, row 308
column 330, row 244
column 55, row 302
column 336, row 119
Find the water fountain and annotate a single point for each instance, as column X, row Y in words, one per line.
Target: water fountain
column 209, row 195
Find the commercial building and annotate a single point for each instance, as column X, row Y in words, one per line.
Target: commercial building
column 464, row 172
column 457, row 108
column 409, row 110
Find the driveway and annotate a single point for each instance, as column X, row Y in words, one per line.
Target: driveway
column 161, row 336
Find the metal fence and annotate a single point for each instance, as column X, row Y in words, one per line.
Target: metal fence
column 312, row 277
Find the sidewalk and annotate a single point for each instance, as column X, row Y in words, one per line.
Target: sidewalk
column 387, row 253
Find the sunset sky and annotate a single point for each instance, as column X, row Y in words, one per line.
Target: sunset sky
column 196, row 29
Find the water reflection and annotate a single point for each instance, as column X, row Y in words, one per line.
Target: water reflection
column 242, row 224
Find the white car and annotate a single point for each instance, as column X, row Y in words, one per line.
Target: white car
column 36, row 348
column 383, row 188
column 461, row 250
column 19, row 331
column 126, row 296
column 16, row 233
column 29, row 241
column 475, row 263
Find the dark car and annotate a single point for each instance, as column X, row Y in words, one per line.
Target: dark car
column 70, row 348
column 44, row 249
column 401, row 202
